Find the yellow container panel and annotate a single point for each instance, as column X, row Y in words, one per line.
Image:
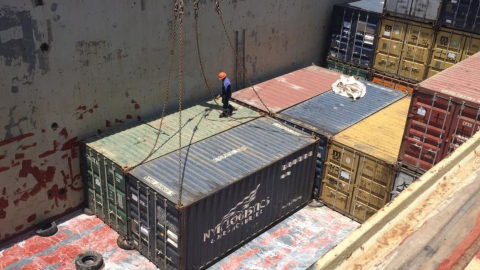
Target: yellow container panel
column 412, row 71
column 341, row 169
column 385, row 63
column 447, row 51
column 379, row 135
column 390, row 44
column 361, row 211
column 472, row 46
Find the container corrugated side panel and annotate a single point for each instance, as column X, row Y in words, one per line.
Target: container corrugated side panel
column 418, row 10
column 392, row 82
column 379, row 135
column 288, row 90
column 447, row 50
column 459, row 82
column 461, row 14
column 228, row 161
column 329, row 114
column 472, row 46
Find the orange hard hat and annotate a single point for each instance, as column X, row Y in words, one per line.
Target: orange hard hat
column 222, row 75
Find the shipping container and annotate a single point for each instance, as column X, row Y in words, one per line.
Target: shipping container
column 393, row 83
column 403, row 49
column 329, row 113
column 444, row 113
column 447, row 51
column 288, row 90
column 362, row 160
column 104, row 156
column 463, row 15
column 451, row 47
column 417, row 10
column 354, row 31
column 235, row 185
column 403, row 179
column 348, row 69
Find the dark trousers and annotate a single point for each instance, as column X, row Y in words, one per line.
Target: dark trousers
column 226, row 105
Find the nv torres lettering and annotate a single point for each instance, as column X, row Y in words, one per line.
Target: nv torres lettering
column 243, row 213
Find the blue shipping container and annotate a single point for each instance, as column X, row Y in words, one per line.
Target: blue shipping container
column 235, row 184
column 328, row 114
column 354, row 31
column 461, row 14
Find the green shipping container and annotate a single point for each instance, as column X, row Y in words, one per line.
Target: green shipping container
column 103, row 156
column 347, row 69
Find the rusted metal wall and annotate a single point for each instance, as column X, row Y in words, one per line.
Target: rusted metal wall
column 69, row 70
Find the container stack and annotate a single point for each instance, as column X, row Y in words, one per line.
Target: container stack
column 444, row 113
column 354, row 30
column 329, row 114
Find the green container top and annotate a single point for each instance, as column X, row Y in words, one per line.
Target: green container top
column 130, row 145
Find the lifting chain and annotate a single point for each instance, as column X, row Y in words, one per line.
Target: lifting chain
column 167, row 90
column 181, row 14
column 219, row 11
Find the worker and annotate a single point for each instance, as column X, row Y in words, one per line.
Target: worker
column 226, row 94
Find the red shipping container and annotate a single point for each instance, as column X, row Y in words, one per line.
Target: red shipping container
column 443, row 114
column 288, row 90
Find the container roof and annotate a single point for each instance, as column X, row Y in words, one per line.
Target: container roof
column 130, row 145
column 379, row 135
column 290, row 89
column 461, row 82
column 375, row 6
column 329, row 113
column 221, row 160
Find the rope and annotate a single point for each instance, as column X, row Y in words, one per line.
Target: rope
column 167, row 90
column 180, row 77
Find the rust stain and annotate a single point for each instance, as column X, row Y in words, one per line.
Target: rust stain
column 57, row 194
column 129, row 116
column 50, row 152
column 118, row 121
column 29, row 146
column 459, row 251
column 3, row 169
column 108, row 123
column 15, row 139
column 41, row 176
column 18, row 228
column 31, row 218
column 19, row 156
column 3, row 156
column 139, row 118
column 64, row 133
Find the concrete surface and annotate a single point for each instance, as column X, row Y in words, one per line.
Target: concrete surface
column 72, row 69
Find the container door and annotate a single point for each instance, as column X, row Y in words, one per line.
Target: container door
column 404, row 179
column 398, row 7
column 166, row 220
column 372, row 187
column 320, row 163
column 464, row 125
column 390, row 45
column 341, row 168
column 416, row 52
column 140, row 218
column 95, row 185
column 472, row 45
column 116, row 197
column 426, row 10
column 342, row 35
column 447, row 51
column 455, row 13
column 429, row 119
column 364, row 39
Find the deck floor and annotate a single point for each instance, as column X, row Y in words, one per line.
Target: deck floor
column 295, row 243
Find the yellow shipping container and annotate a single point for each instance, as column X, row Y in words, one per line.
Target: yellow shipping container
column 451, row 46
column 403, row 48
column 360, row 167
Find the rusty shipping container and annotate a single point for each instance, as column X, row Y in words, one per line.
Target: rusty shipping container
column 288, row 90
column 462, row 15
column 444, row 114
column 329, row 113
column 362, row 160
column 451, row 46
column 354, row 32
column 393, row 83
column 403, row 49
column 105, row 155
column 235, row 185
column 417, row 10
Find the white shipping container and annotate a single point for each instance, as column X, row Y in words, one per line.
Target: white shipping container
column 419, row 10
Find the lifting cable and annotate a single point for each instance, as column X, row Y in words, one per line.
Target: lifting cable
column 167, row 90
column 180, row 78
